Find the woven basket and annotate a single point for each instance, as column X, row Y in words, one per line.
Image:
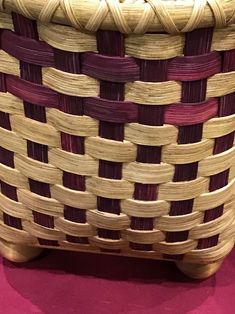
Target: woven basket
column 117, row 123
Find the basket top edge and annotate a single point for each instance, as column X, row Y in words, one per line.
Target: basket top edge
column 128, row 16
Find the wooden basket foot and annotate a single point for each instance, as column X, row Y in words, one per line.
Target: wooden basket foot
column 199, row 271
column 18, row 253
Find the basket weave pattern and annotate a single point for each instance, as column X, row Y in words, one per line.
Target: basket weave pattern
column 117, row 143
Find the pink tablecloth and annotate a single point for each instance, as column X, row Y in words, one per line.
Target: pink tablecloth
column 61, row 282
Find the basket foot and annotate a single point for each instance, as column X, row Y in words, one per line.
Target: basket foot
column 18, row 253
column 199, row 271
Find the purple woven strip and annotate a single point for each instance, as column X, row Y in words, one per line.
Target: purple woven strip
column 70, row 62
column 191, row 113
column 197, row 43
column 226, row 108
column 192, row 68
column 27, row 50
column 114, row 69
column 67, row 61
column 30, row 92
column 3, row 87
column 150, row 71
column 29, row 88
column 111, row 110
column 111, row 93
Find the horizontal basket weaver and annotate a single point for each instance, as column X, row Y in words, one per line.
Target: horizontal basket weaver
column 117, row 123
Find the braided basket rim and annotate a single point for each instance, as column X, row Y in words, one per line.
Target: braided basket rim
column 127, row 16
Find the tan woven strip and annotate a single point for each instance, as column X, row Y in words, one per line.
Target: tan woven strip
column 78, row 199
column 13, row 177
column 178, row 191
column 217, row 163
column 151, row 46
column 42, row 232
column 211, row 254
column 70, row 84
column 35, row 131
column 110, row 150
column 41, row 204
column 108, row 243
column 218, row 127
column 11, row 104
column 11, row 141
column 9, row 64
column 5, row 20
column 224, row 39
column 214, row 199
column 74, row 163
column 116, row 189
column 74, row 228
column 187, row 153
column 211, row 228
column 221, row 84
column 37, row 170
column 151, row 135
column 15, row 209
column 71, row 124
column 73, row 40
column 175, row 248
column 148, row 173
column 145, row 209
column 163, row 93
column 14, row 235
column 143, row 237
column 232, row 174
column 65, row 245
column 229, row 233
column 107, row 220
column 179, row 223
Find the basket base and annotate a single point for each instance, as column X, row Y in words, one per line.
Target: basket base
column 18, row 253
column 199, row 271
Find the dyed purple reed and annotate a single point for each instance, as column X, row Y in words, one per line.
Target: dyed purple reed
column 140, row 223
column 226, row 108
column 109, row 169
column 197, row 43
column 67, row 61
column 26, row 49
column 74, row 181
column 75, row 214
column 3, row 87
column 70, row 62
column 191, row 113
column 111, row 91
column 111, row 110
column 30, row 92
column 193, row 68
column 114, row 69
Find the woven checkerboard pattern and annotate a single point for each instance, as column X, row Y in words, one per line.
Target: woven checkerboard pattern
column 116, row 143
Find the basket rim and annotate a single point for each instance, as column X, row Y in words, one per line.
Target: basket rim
column 127, row 16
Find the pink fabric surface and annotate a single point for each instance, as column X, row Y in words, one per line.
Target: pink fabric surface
column 68, row 282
